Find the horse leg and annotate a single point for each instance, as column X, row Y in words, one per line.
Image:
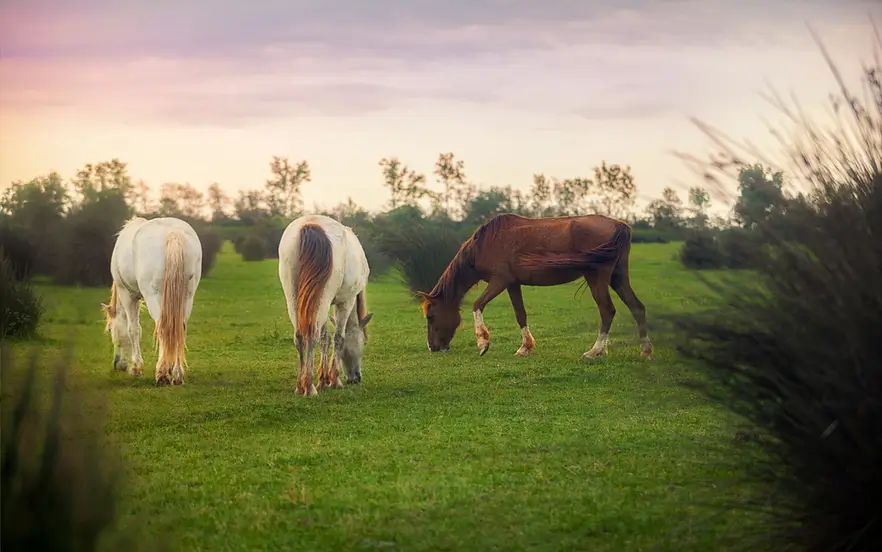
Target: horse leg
column 494, row 288
column 162, row 370
column 301, row 387
column 517, row 303
column 343, row 317
column 599, row 283
column 131, row 305
column 178, row 368
column 324, row 371
column 621, row 284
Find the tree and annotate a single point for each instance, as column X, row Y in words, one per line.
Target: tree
column 283, row 191
column 140, row 198
column 181, row 200
column 699, row 201
column 495, row 201
column 217, row 202
column 614, row 190
column 457, row 191
column 761, row 195
column 36, row 202
column 95, row 181
column 666, row 213
column 407, row 187
column 250, row 207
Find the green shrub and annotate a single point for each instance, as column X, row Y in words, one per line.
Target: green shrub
column 253, row 249
column 87, row 242
column 740, row 248
column 420, row 248
column 795, row 351
column 22, row 308
column 640, row 235
column 211, row 245
column 20, row 251
column 701, row 250
column 58, row 477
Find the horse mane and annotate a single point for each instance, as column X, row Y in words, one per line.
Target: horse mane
column 110, row 309
column 450, row 282
column 361, row 309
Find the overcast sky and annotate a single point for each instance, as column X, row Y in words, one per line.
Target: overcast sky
column 204, row 91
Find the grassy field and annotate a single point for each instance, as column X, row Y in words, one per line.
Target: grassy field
column 431, row 452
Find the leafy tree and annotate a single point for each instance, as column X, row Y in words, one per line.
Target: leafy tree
column 250, row 207
column 283, row 190
column 495, row 201
column 614, row 190
column 218, row 201
column 94, row 181
column 407, row 187
column 140, row 197
column 666, row 213
column 699, row 201
column 541, row 202
column 37, row 202
column 181, row 200
column 457, row 191
column 761, row 195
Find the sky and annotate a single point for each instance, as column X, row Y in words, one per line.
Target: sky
column 204, row 91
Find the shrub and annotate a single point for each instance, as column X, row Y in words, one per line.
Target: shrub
column 420, row 248
column 701, row 250
column 19, row 250
column 640, row 235
column 59, row 484
column 22, row 308
column 740, row 248
column 252, row 249
column 796, row 352
column 211, row 246
column 88, row 239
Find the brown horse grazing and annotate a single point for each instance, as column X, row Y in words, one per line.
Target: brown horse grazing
column 510, row 251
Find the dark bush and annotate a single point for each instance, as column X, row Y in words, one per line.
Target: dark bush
column 420, row 248
column 22, row 309
column 639, row 235
column 701, row 250
column 211, row 246
column 59, row 484
column 253, row 249
column 740, row 248
column 88, row 239
column 19, row 250
column 796, row 351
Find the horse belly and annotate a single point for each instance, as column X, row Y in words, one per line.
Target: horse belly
column 545, row 277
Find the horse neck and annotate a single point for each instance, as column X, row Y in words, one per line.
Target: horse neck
column 461, row 277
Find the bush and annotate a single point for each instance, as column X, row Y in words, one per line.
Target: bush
column 19, row 250
column 88, row 239
column 211, row 245
column 59, row 482
column 253, row 249
column 701, row 250
column 639, row 235
column 796, row 352
column 420, row 248
column 22, row 308
column 740, row 248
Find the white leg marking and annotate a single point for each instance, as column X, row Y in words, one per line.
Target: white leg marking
column 599, row 347
column 527, row 342
column 481, row 332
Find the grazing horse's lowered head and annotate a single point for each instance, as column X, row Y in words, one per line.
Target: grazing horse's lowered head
column 442, row 320
column 353, row 347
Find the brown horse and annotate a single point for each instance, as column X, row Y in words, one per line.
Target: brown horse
column 510, row 251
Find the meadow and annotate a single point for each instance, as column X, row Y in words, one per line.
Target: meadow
column 446, row 451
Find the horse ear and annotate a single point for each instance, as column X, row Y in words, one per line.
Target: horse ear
column 422, row 295
column 364, row 321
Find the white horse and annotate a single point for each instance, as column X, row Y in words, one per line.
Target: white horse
column 159, row 261
column 322, row 263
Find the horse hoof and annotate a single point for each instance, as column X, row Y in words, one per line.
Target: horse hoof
column 312, row 391
column 338, row 384
column 483, row 349
column 523, row 352
column 137, row 371
column 592, row 354
column 178, row 381
column 162, row 381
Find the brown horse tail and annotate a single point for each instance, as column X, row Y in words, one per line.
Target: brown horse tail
column 316, row 262
column 170, row 330
column 602, row 255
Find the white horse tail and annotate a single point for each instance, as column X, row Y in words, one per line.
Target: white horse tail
column 170, row 331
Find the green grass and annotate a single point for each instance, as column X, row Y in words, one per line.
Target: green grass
column 431, row 452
